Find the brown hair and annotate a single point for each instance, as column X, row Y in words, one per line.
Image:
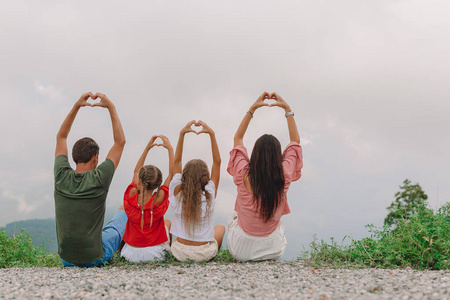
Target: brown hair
column 84, row 149
column 193, row 181
column 266, row 175
column 151, row 178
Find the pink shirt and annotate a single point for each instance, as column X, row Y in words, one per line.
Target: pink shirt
column 249, row 218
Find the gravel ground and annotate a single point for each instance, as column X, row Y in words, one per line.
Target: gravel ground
column 267, row 280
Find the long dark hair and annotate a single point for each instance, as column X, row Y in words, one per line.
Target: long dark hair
column 266, row 175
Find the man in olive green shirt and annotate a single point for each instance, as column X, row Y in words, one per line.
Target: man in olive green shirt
column 80, row 194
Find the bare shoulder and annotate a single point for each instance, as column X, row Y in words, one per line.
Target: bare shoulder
column 132, row 192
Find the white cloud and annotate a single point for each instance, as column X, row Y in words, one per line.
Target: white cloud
column 23, row 206
column 50, row 92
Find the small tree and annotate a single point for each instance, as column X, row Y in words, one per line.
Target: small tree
column 406, row 203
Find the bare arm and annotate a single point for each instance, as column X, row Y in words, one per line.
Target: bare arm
column 115, row 153
column 292, row 127
column 215, row 169
column 166, row 144
column 144, row 154
column 177, row 164
column 63, row 133
column 239, row 135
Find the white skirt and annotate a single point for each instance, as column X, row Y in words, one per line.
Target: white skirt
column 141, row 254
column 244, row 247
column 200, row 253
column 153, row 253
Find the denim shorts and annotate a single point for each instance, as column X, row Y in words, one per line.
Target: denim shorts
column 111, row 237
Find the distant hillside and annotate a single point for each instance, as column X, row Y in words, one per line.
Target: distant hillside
column 40, row 231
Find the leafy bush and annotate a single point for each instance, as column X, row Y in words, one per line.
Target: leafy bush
column 422, row 241
column 407, row 202
column 18, row 251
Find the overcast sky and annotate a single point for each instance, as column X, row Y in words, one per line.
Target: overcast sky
column 368, row 82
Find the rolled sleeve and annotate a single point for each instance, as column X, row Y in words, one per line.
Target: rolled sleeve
column 238, row 163
column 292, row 162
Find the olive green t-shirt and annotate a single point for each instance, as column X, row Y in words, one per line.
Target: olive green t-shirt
column 80, row 210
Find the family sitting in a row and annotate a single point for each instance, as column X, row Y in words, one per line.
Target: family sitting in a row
column 255, row 231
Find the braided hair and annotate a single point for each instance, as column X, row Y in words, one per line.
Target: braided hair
column 151, row 179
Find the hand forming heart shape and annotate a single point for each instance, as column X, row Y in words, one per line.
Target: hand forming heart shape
column 104, row 101
column 272, row 97
column 261, row 101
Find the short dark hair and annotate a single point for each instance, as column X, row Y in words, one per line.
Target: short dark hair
column 84, row 149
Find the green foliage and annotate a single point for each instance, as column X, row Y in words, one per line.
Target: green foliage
column 19, row 251
column 422, row 242
column 407, row 202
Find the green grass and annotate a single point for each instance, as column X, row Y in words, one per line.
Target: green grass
column 18, row 251
column 421, row 242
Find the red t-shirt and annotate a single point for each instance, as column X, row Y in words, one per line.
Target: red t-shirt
column 153, row 236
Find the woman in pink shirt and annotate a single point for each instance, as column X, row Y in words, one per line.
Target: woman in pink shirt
column 255, row 231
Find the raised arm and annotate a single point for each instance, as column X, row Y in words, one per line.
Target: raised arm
column 166, row 144
column 239, row 135
column 177, row 163
column 215, row 169
column 115, row 153
column 144, row 154
column 292, row 127
column 61, row 137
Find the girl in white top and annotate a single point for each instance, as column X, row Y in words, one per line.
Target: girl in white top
column 192, row 194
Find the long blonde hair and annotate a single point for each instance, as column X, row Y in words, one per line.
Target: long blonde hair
column 151, row 179
column 194, row 178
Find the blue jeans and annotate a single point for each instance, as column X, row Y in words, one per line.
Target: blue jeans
column 111, row 237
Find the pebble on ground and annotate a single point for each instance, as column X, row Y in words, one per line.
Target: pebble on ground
column 265, row 280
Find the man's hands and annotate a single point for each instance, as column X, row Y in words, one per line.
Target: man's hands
column 83, row 100
column 104, row 101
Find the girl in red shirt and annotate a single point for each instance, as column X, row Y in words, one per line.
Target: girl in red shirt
column 145, row 202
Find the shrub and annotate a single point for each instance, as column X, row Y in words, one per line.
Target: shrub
column 422, row 241
column 18, row 251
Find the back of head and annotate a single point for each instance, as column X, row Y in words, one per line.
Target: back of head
column 266, row 175
column 84, row 149
column 194, row 178
column 150, row 176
